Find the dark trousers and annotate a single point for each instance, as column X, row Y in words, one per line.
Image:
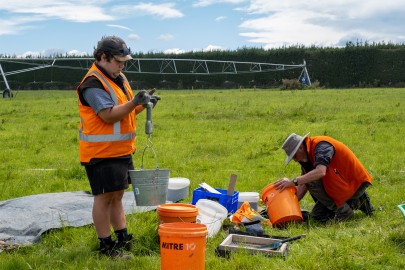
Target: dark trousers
column 325, row 207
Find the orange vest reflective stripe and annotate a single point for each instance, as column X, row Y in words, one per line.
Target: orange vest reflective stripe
column 98, row 139
column 345, row 173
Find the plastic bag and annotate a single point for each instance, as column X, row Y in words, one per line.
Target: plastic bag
column 250, row 219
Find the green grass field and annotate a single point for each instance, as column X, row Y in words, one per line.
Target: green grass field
column 206, row 136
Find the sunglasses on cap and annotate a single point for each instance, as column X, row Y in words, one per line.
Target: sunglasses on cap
column 123, row 51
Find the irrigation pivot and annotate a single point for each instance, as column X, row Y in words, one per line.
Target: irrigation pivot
column 153, row 66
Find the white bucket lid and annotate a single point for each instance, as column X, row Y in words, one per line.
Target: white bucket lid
column 178, row 183
column 248, row 196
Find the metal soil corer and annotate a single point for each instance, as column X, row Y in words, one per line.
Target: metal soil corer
column 149, row 123
column 150, row 185
column 149, row 131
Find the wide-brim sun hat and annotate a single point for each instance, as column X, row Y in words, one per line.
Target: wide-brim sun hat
column 291, row 145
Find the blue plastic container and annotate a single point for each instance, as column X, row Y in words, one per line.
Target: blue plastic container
column 230, row 202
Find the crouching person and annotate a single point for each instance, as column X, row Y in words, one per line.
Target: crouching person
column 331, row 173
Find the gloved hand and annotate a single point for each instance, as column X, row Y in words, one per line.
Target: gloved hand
column 154, row 99
column 141, row 98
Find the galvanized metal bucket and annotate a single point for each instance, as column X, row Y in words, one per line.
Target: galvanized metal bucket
column 150, row 185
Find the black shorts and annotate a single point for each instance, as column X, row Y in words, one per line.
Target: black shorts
column 110, row 174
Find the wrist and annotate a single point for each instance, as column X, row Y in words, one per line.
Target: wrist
column 295, row 181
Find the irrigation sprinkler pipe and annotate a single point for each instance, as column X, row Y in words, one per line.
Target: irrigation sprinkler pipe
column 7, row 92
column 4, row 77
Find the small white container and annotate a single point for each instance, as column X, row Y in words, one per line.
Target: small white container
column 212, row 214
column 178, row 189
column 251, row 197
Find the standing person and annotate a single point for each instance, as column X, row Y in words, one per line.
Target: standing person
column 331, row 173
column 108, row 110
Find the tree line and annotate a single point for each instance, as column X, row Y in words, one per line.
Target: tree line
column 354, row 66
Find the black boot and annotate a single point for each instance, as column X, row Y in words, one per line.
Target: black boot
column 365, row 204
column 110, row 248
column 344, row 213
column 124, row 240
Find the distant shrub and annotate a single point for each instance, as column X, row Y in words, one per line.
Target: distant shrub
column 316, row 84
column 288, row 84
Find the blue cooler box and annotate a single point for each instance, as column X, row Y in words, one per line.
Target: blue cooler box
column 228, row 201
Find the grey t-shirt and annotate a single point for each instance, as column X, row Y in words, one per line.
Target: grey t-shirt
column 324, row 152
column 98, row 99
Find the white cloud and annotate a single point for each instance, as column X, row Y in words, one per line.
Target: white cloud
column 174, row 51
column 279, row 30
column 21, row 15
column 204, row 3
column 73, row 53
column 53, row 52
column 274, row 23
column 211, row 48
column 70, row 10
column 166, row 37
column 14, row 25
column 46, row 53
column 30, row 54
column 133, row 37
column 162, row 11
column 263, row 23
column 119, row 26
column 220, row 18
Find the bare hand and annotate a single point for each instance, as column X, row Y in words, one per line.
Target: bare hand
column 283, row 183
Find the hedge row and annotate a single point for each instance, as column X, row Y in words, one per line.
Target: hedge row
column 355, row 65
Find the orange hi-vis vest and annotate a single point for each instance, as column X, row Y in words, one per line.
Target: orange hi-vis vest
column 345, row 173
column 98, row 139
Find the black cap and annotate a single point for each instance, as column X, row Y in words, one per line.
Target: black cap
column 116, row 46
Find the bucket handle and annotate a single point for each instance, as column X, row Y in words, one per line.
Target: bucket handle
column 149, row 145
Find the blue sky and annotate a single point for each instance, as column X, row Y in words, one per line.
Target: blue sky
column 45, row 27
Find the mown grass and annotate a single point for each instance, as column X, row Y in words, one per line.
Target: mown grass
column 205, row 136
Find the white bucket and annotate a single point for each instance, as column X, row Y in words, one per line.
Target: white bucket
column 177, row 189
column 251, row 197
column 211, row 214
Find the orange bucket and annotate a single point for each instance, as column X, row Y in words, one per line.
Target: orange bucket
column 182, row 245
column 282, row 207
column 177, row 212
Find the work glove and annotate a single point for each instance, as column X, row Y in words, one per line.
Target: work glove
column 141, row 98
column 154, row 99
